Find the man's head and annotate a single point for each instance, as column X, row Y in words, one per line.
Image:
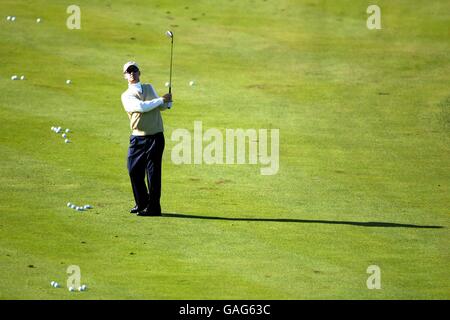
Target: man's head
column 131, row 72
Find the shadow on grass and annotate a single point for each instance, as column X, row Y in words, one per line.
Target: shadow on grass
column 351, row 223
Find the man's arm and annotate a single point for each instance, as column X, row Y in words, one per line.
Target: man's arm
column 133, row 104
column 167, row 100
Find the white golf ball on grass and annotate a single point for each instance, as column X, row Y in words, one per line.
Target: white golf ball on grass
column 67, row 130
column 68, row 81
column 191, row 83
column 38, row 20
column 14, row 77
column 13, row 18
column 67, row 141
column 64, row 135
column 71, row 289
column 22, row 78
column 8, row 18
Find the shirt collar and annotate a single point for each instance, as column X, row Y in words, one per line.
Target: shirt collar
column 136, row 86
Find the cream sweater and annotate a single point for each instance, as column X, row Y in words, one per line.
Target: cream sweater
column 143, row 107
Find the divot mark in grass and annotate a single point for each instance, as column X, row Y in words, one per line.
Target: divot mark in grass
column 222, row 181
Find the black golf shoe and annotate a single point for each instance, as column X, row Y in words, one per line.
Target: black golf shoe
column 135, row 209
column 147, row 212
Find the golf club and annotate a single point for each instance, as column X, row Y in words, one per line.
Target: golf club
column 170, row 35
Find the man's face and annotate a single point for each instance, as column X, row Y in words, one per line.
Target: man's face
column 133, row 74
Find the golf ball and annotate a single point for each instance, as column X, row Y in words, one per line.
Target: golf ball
column 67, row 130
column 67, row 141
column 52, row 283
column 56, row 285
column 73, row 206
column 69, row 204
column 13, row 18
column 38, row 20
column 8, row 18
column 82, row 288
column 166, row 84
column 71, row 289
column 22, row 78
column 68, row 81
column 191, row 83
column 14, row 77
column 64, row 135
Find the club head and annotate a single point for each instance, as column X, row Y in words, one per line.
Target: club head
column 169, row 34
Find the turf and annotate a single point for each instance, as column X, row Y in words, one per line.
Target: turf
column 364, row 120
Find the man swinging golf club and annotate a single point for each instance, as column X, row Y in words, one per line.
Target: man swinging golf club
column 143, row 107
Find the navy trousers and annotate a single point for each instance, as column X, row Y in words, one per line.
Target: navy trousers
column 145, row 156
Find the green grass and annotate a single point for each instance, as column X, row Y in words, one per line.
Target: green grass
column 364, row 119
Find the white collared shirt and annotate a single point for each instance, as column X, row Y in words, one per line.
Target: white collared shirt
column 136, row 86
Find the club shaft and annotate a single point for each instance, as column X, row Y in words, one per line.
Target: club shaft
column 171, row 59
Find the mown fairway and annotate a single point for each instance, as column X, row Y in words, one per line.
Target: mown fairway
column 364, row 120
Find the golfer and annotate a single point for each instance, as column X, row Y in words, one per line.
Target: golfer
column 143, row 107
